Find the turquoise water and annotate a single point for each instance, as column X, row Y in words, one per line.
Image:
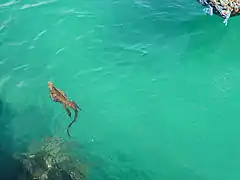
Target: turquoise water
column 158, row 83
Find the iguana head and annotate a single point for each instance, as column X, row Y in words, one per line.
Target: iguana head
column 50, row 85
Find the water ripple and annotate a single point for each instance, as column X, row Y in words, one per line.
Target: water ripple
column 8, row 4
column 143, row 3
column 20, row 84
column 3, row 81
column 60, row 21
column 3, row 61
column 138, row 48
column 21, row 67
column 4, row 24
column 60, row 50
column 73, row 11
column 100, row 69
column 40, row 34
column 16, row 43
column 26, row 6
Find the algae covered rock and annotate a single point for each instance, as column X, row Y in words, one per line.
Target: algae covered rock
column 51, row 160
column 222, row 8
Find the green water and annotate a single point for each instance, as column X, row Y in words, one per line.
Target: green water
column 158, row 83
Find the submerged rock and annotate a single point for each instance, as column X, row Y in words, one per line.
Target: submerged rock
column 50, row 161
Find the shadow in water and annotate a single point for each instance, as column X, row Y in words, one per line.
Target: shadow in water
column 10, row 165
column 122, row 166
column 17, row 132
column 30, row 126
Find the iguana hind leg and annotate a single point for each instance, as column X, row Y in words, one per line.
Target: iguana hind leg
column 67, row 110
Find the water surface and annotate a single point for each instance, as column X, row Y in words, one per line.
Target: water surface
column 158, row 83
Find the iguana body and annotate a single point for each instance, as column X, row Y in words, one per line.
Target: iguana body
column 60, row 97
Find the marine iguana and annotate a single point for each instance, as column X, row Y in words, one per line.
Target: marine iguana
column 59, row 96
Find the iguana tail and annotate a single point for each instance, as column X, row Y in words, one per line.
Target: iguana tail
column 73, row 121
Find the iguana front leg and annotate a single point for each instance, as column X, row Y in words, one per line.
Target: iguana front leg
column 54, row 97
column 67, row 110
